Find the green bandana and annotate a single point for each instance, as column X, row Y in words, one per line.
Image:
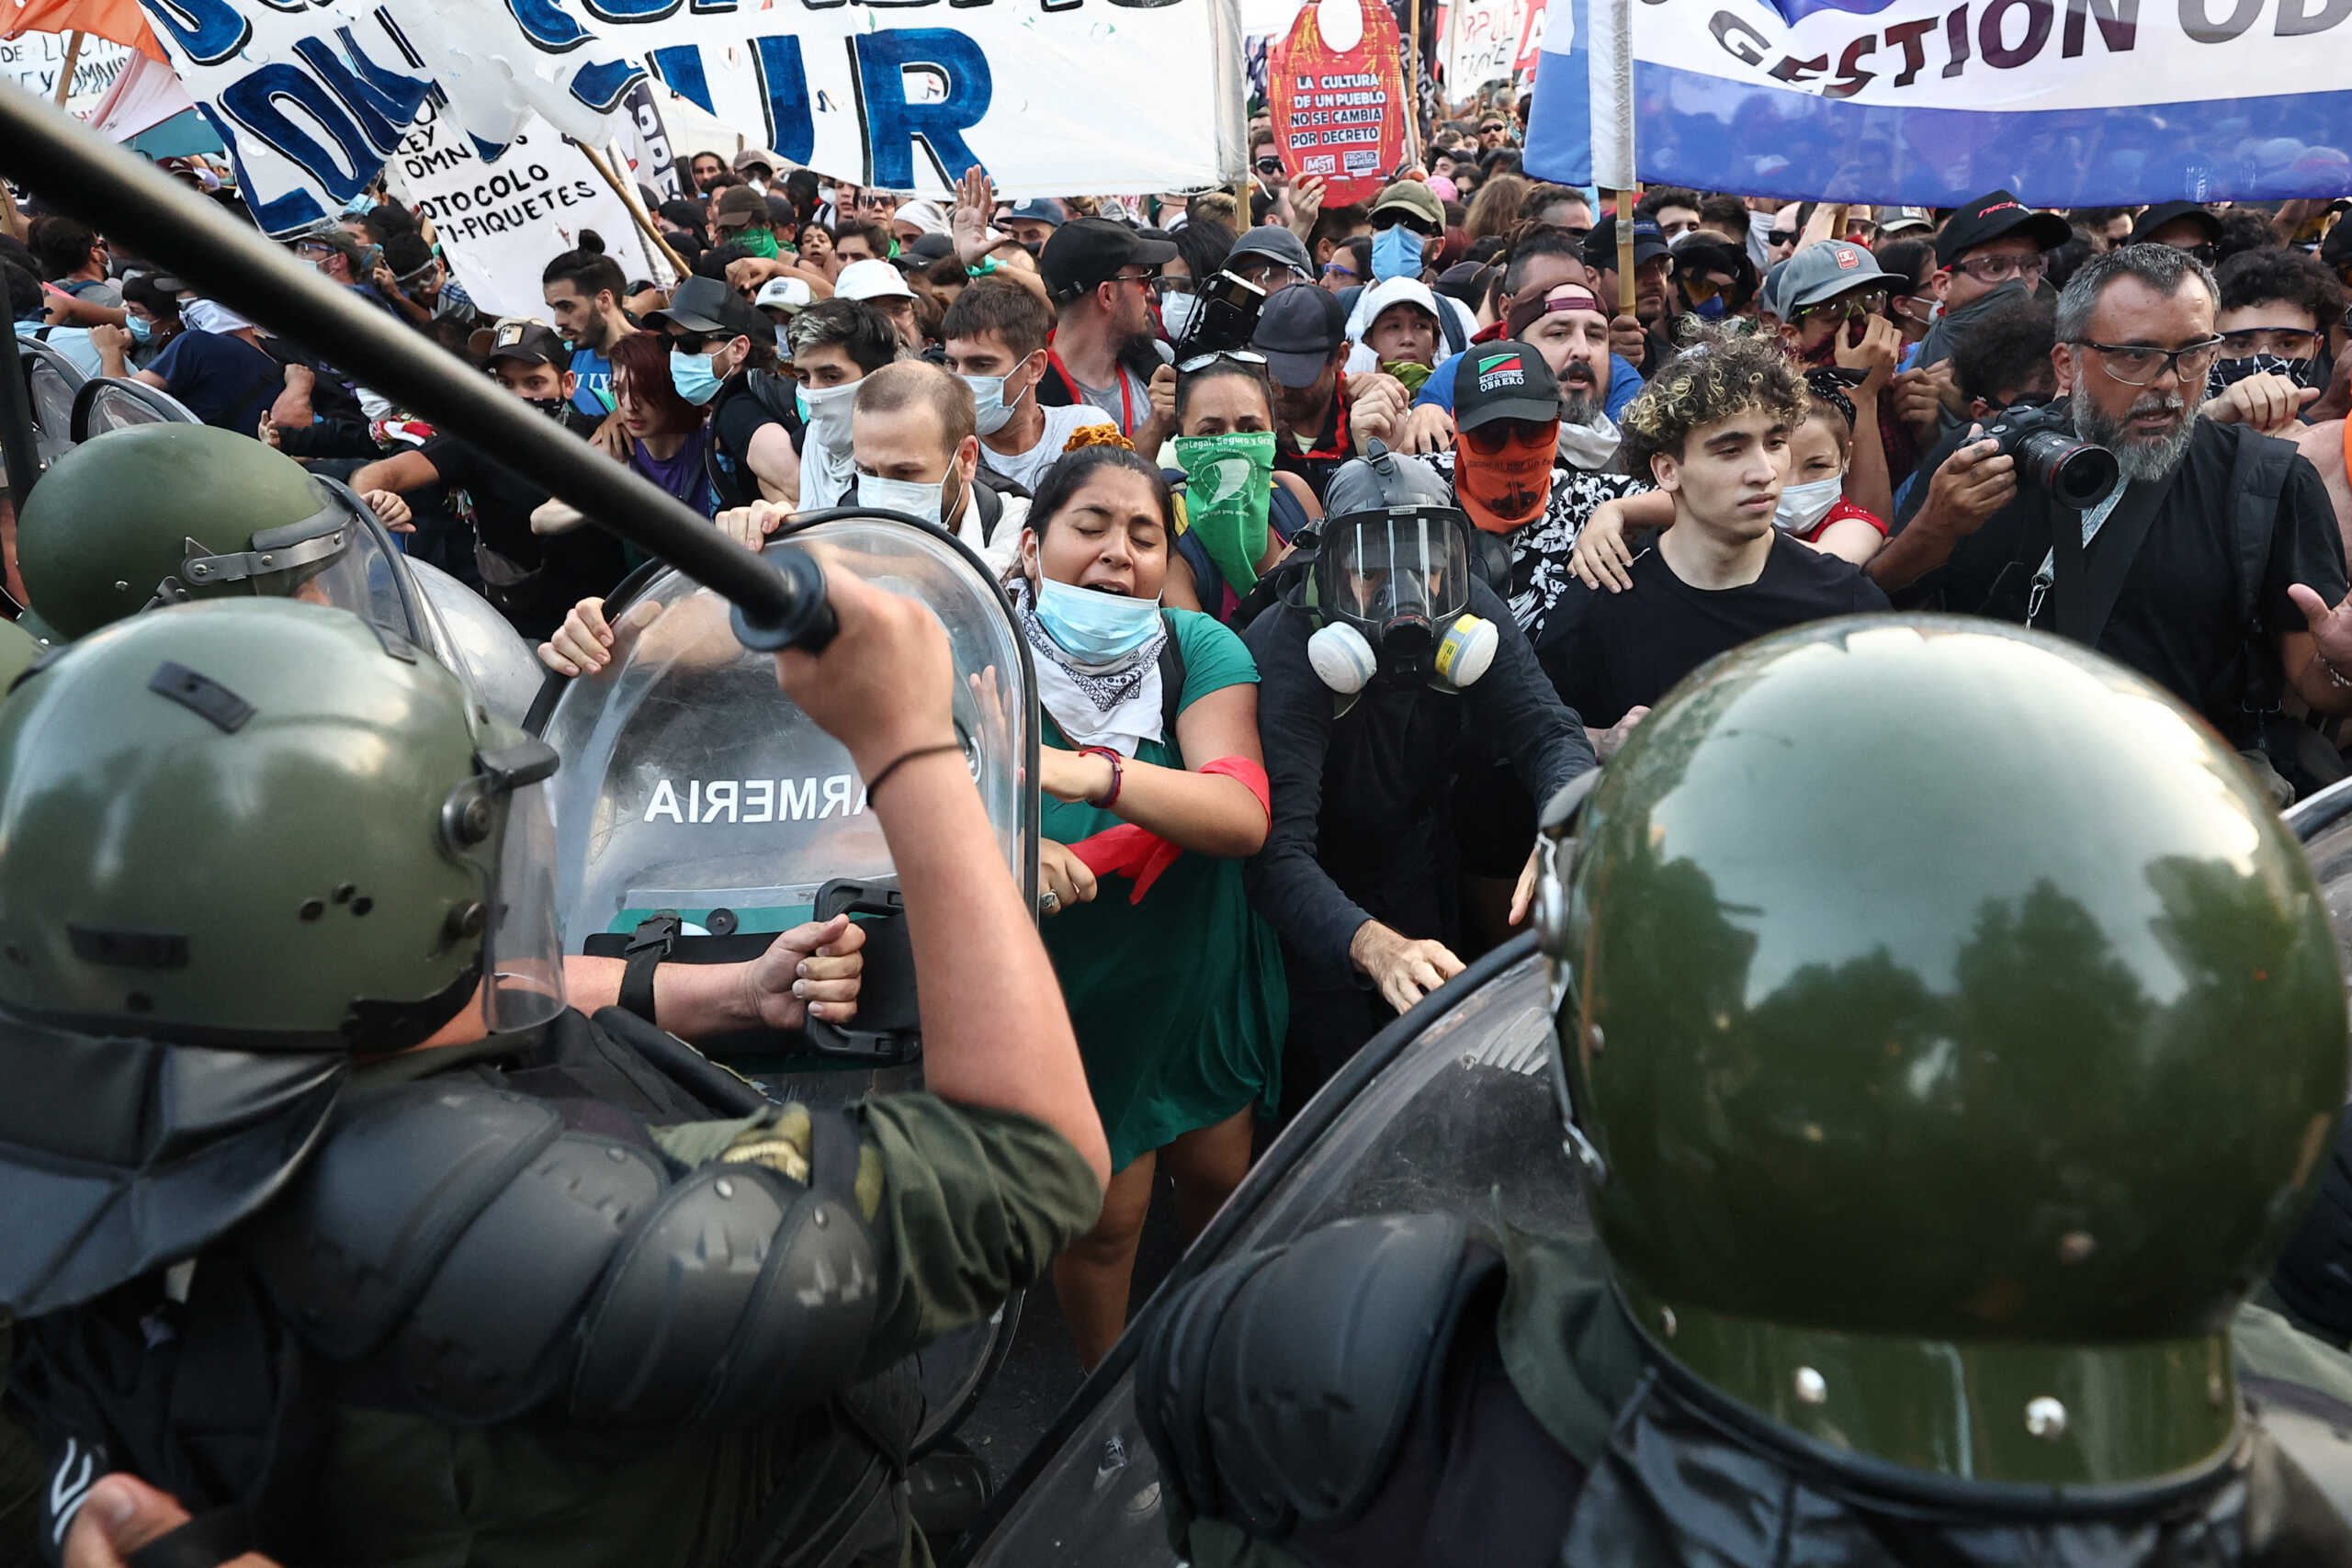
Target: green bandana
column 1230, row 482
column 760, row 242
column 1411, row 374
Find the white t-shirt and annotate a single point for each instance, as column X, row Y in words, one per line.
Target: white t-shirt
column 1025, row 468
column 1003, row 549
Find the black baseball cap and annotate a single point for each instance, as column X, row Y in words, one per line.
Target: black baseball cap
column 707, row 305
column 1504, row 380
column 527, row 341
column 1298, row 329
column 1085, row 251
column 1993, row 215
column 1601, row 244
column 2165, row 212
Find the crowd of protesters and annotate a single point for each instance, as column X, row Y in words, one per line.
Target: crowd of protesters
column 1789, row 410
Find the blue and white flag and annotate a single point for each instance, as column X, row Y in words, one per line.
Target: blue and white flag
column 1929, row 103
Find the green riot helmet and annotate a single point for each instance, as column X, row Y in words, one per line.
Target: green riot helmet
column 156, row 514
column 1948, row 1030
column 240, row 843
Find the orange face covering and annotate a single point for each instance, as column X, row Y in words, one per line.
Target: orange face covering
column 1504, row 482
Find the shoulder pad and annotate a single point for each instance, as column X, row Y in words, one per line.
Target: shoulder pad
column 1276, row 1387
column 409, row 1226
column 2312, row 1428
column 743, row 1292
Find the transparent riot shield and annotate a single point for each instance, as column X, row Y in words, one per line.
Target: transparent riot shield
column 1450, row 1108
column 691, row 785
column 109, row 403
column 2323, row 822
column 51, row 382
column 471, row 637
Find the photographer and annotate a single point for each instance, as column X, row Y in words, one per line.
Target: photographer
column 2210, row 561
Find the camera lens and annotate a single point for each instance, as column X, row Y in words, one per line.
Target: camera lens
column 2075, row 473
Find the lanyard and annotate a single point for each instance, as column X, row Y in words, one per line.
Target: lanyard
column 1118, row 373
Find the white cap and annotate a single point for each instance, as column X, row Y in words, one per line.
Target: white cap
column 872, row 281
column 790, row 295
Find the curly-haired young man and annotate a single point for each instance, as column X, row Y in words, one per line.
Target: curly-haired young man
column 1712, row 429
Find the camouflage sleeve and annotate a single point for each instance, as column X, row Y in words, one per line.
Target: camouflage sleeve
column 967, row 1204
column 974, row 1204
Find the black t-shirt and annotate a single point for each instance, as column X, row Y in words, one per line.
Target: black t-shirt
column 2176, row 618
column 1609, row 652
column 736, row 415
column 532, row 578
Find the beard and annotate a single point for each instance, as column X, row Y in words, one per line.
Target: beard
column 2142, row 459
column 1579, row 407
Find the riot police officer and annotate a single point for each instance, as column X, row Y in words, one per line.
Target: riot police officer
column 1931, row 1149
column 569, row 1294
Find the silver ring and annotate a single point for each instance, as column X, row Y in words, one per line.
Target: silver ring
column 1051, row 903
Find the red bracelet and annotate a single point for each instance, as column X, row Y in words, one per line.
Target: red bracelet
column 1118, row 774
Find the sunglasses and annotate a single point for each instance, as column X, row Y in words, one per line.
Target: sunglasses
column 1782, row 236
column 692, row 342
column 1200, row 362
column 1869, row 304
column 1269, row 166
column 1392, row 219
column 1497, row 434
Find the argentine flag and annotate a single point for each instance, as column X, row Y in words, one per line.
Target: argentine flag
column 1929, row 103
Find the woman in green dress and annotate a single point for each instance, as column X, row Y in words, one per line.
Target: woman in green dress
column 1175, row 985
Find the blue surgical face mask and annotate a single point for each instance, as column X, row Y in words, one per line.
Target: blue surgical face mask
column 1095, row 629
column 1396, row 252
column 693, row 376
column 140, row 328
column 988, row 407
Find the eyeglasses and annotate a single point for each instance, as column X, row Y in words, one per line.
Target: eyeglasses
column 2210, row 254
column 1491, row 437
column 1392, row 218
column 1869, row 304
column 1200, row 362
column 1704, row 286
column 2000, row 269
column 2137, row 365
column 1269, row 166
column 1782, row 236
column 2288, row 342
column 1333, row 269
column 1150, row 282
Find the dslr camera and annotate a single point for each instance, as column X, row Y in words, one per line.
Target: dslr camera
column 2041, row 439
column 1225, row 317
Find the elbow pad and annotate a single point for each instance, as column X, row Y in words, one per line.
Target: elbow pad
column 496, row 1262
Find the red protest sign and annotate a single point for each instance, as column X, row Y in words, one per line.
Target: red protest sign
column 1339, row 113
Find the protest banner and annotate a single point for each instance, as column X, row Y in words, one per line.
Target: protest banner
column 644, row 144
column 500, row 224
column 35, row 62
column 1050, row 97
column 1929, row 103
column 1337, row 94
column 1481, row 44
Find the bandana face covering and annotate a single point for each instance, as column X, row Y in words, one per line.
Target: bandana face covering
column 760, row 242
column 1227, row 491
column 1504, row 485
column 2228, row 373
column 1588, row 446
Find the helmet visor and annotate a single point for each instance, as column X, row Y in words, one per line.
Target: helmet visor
column 1406, row 565
column 522, row 956
column 498, row 823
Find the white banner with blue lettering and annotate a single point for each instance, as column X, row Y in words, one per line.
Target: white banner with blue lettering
column 1929, row 103
column 1052, row 97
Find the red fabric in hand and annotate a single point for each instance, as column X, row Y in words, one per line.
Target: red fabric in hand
column 1142, row 855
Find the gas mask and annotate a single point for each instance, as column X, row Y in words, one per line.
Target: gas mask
column 1392, row 587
